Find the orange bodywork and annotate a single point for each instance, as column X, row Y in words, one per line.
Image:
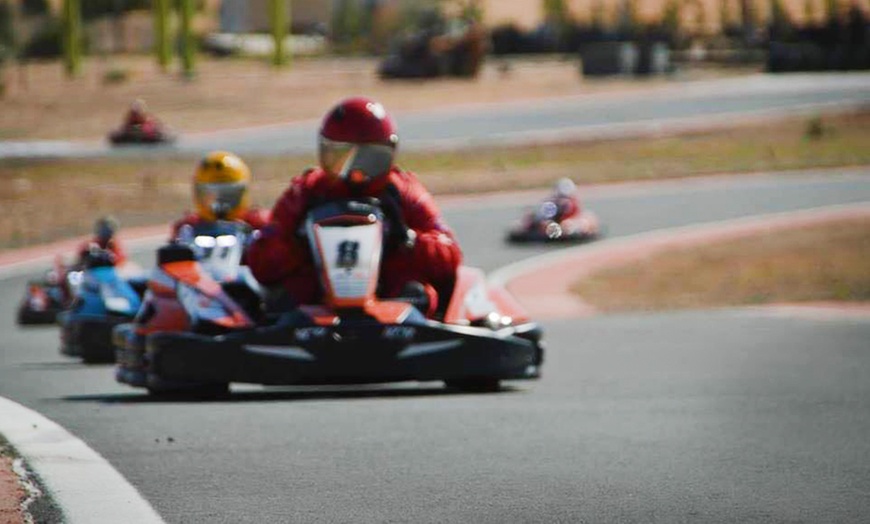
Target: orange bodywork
column 188, row 272
column 465, row 280
column 321, row 315
column 170, row 314
column 388, row 312
column 507, row 304
column 502, row 302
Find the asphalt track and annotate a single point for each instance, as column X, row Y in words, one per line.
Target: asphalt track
column 714, row 416
column 678, row 105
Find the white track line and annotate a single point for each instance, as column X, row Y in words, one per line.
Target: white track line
column 86, row 488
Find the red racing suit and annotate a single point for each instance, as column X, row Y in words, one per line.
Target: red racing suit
column 568, row 206
column 280, row 257
column 113, row 245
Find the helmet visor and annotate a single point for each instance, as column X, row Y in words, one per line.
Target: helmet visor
column 355, row 162
column 221, row 198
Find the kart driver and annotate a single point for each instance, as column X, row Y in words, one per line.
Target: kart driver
column 358, row 142
column 138, row 117
column 104, row 237
column 566, row 198
column 220, row 192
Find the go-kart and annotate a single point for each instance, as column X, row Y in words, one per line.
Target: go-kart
column 217, row 249
column 101, row 299
column 43, row 299
column 548, row 223
column 149, row 133
column 192, row 337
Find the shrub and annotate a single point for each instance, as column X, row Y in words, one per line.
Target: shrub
column 815, row 128
column 116, row 75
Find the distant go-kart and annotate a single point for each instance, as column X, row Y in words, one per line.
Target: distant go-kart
column 547, row 223
column 101, row 299
column 142, row 134
column 44, row 298
column 193, row 338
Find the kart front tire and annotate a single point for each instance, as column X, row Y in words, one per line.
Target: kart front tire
column 198, row 391
column 474, row 385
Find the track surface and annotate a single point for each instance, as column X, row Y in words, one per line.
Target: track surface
column 677, row 104
column 689, row 417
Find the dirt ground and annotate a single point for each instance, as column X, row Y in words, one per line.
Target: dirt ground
column 41, row 103
column 816, row 262
column 589, row 282
column 11, row 494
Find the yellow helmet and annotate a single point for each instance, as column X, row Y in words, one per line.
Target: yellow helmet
column 220, row 187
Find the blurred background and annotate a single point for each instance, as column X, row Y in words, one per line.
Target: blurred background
column 218, row 74
column 422, row 38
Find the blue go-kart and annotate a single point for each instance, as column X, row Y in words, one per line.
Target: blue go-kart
column 102, row 299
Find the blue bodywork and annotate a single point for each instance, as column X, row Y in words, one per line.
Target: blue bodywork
column 103, row 299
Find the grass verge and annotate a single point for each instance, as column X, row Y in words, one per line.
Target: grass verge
column 47, row 200
column 818, row 263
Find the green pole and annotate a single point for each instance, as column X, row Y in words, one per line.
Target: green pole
column 188, row 44
column 163, row 44
column 278, row 15
column 72, row 34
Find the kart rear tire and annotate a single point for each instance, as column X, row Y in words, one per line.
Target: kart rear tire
column 475, row 385
column 28, row 317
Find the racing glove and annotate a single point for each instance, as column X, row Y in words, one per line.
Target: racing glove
column 396, row 231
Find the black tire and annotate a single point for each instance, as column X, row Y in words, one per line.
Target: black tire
column 27, row 317
column 518, row 237
column 191, row 392
column 98, row 356
column 475, row 385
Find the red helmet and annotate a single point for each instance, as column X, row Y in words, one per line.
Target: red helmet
column 358, row 141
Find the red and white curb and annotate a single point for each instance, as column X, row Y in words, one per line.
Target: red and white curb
column 86, row 488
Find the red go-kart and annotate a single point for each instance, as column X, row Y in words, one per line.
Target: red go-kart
column 147, row 133
column 554, row 220
column 191, row 336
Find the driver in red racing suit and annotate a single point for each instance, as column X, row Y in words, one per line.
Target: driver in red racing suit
column 137, row 117
column 566, row 199
column 357, row 148
column 105, row 237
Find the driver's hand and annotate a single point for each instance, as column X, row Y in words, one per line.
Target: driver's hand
column 396, row 231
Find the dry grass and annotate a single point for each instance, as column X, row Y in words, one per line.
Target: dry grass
column 819, row 263
column 47, row 200
column 779, row 145
column 41, row 103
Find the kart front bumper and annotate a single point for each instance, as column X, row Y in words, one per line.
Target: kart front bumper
column 347, row 355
